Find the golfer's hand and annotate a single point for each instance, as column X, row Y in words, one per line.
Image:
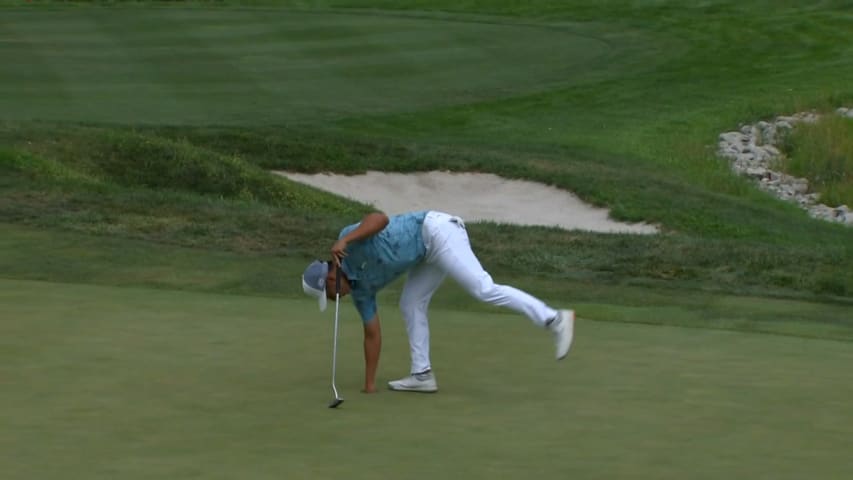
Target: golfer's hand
column 339, row 251
column 369, row 389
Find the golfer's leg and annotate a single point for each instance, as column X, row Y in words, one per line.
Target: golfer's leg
column 458, row 260
column 421, row 284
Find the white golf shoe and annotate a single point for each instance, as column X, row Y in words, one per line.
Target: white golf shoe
column 563, row 328
column 416, row 382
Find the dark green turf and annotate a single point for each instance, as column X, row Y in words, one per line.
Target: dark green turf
column 175, row 66
column 104, row 382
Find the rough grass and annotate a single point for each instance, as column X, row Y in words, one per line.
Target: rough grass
column 822, row 152
column 127, row 158
column 195, row 200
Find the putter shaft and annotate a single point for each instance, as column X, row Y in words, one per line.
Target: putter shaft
column 337, row 400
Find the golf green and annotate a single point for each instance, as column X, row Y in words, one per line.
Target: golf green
column 105, row 382
column 209, row 66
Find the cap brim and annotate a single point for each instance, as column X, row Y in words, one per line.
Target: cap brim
column 316, row 292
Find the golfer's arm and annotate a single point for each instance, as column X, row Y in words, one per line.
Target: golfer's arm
column 370, row 225
column 372, row 347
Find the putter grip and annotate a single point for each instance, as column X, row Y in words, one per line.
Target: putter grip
column 338, row 280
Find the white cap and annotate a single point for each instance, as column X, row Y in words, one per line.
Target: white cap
column 314, row 281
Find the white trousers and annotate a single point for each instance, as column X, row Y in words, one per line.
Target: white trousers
column 448, row 252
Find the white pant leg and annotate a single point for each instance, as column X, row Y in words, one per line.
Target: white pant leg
column 450, row 249
column 421, row 283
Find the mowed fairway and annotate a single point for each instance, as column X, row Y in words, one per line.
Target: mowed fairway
column 250, row 66
column 103, row 382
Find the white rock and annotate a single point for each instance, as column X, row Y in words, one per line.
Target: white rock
column 734, row 137
column 752, row 152
column 801, row 185
column 821, row 211
column 762, row 155
column 757, row 172
column 772, row 150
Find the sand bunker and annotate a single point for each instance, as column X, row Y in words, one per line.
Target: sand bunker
column 474, row 197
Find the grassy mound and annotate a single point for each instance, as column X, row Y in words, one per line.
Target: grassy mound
column 128, row 158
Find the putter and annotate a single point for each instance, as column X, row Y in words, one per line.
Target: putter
column 337, row 400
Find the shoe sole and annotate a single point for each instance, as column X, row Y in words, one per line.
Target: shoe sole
column 413, row 390
column 571, row 337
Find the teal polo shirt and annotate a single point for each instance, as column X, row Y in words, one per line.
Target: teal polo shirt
column 375, row 262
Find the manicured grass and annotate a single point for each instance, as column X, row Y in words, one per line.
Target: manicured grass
column 166, row 66
column 104, row 382
column 151, row 323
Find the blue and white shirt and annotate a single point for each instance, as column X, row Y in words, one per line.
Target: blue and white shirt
column 375, row 262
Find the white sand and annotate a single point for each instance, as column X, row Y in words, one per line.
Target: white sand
column 474, row 197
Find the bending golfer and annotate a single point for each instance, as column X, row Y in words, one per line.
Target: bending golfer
column 429, row 246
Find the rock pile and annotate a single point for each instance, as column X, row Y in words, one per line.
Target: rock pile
column 753, row 152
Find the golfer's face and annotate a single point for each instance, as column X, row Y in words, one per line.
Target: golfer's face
column 330, row 284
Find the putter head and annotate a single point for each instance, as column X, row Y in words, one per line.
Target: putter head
column 336, row 402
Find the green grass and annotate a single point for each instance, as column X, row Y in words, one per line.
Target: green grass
column 823, row 153
column 204, row 267
column 104, row 382
column 150, row 320
column 635, row 137
column 283, row 66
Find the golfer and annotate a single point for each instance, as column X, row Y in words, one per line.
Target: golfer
column 429, row 246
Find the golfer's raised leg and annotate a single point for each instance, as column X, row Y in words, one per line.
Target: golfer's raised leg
column 454, row 255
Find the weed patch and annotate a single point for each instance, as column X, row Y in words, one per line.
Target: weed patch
column 822, row 152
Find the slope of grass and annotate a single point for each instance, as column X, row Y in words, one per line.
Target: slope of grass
column 636, row 137
column 100, row 158
column 39, row 253
column 251, row 227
